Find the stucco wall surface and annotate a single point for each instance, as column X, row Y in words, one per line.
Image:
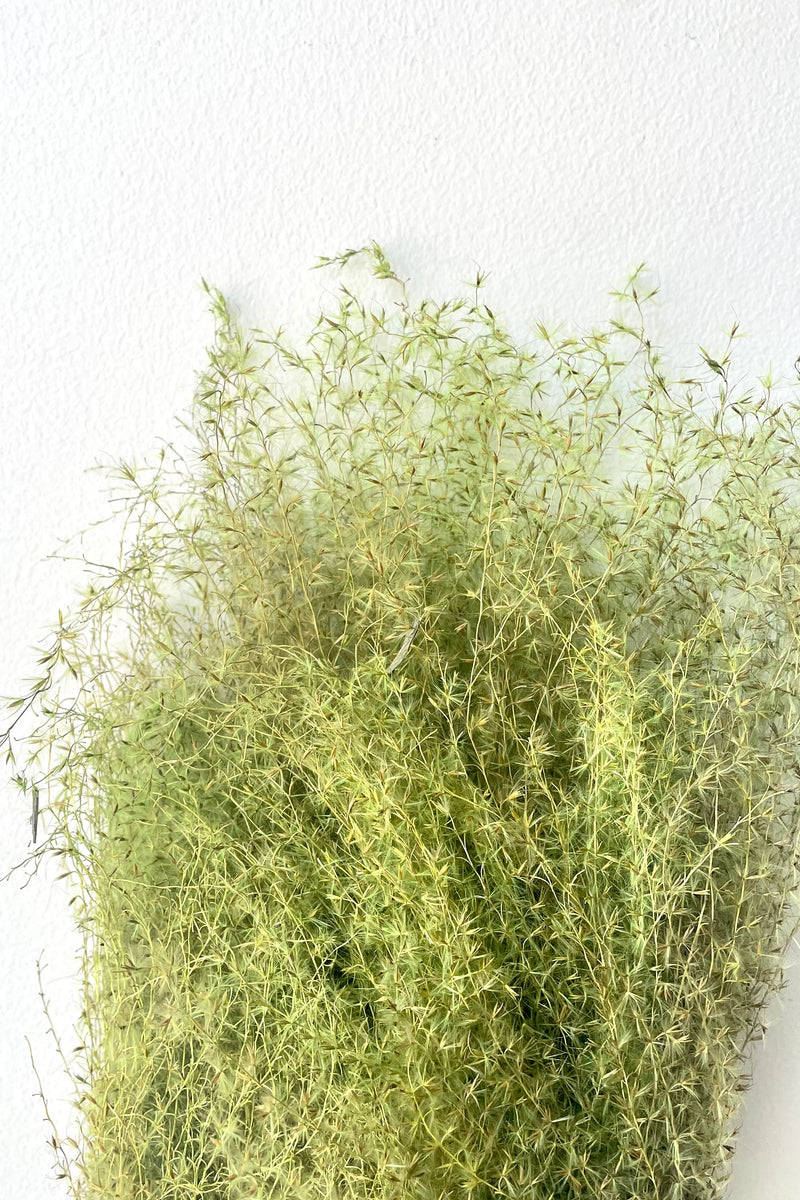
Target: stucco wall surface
column 554, row 144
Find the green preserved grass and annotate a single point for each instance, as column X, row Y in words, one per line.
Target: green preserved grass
column 426, row 772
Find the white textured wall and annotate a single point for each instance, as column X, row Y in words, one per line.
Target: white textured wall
column 554, row 143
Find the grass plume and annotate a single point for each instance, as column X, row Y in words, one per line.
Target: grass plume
column 426, row 771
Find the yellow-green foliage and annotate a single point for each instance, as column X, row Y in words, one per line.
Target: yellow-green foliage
column 429, row 784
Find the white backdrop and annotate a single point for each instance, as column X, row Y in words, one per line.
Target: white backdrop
column 554, row 144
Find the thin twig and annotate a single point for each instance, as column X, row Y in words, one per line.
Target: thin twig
column 54, row 1141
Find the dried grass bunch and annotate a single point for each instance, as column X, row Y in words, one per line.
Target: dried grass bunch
column 428, row 784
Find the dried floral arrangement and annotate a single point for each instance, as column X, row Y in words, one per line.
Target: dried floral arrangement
column 426, row 771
